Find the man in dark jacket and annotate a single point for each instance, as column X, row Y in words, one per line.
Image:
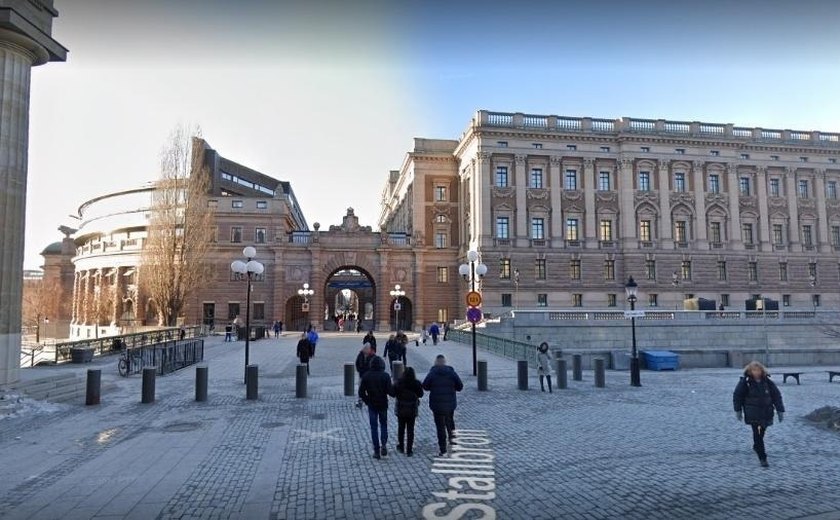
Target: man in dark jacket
column 370, row 339
column 374, row 391
column 304, row 351
column 434, row 332
column 442, row 383
column 363, row 365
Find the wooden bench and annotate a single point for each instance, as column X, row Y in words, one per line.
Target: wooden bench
column 832, row 374
column 794, row 375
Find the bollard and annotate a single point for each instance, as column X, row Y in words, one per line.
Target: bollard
column 252, row 376
column 300, row 381
column 482, row 375
column 562, row 375
column 148, row 390
column 349, row 379
column 522, row 374
column 398, row 369
column 94, row 386
column 600, row 373
column 577, row 367
column 201, row 383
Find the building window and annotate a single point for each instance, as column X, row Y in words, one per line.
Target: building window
column 440, row 219
column 571, row 147
column 752, row 270
column 502, row 144
column 644, row 181
column 803, row 189
column 539, row 269
column 577, row 300
column 721, row 265
column 778, row 234
column 507, row 300
column 744, row 185
column 745, row 156
column 715, row 153
column 503, row 227
column 786, row 300
column 233, row 311
column 724, row 300
column 835, row 236
column 538, row 146
column 443, row 274
column 572, row 231
column 645, row 149
column 236, row 234
column 542, row 300
column 803, row 159
column 650, row 269
column 832, row 160
column 807, row 237
column 775, row 187
column 783, row 271
column 815, row 300
column 611, row 300
column 212, row 203
column 262, row 204
column 502, row 180
column 679, row 181
column 606, row 234
column 574, row 269
column 714, row 183
column 237, row 204
column 440, row 193
column 774, row 157
column 680, row 151
column 644, row 231
column 609, row 269
column 604, row 181
column 812, row 271
column 571, row 180
column 536, row 178
column 653, row 300
column 259, row 235
column 714, row 231
column 680, row 235
column 747, row 234
column 259, row 311
column 440, row 240
column 504, row 268
column 443, row 315
column 685, row 269
column 605, row 148
column 537, row 228
column 831, row 190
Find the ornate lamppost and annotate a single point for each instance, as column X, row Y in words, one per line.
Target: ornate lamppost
column 250, row 269
column 305, row 293
column 472, row 271
column 396, row 293
column 635, row 376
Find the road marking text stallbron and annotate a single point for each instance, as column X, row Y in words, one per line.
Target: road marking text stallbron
column 471, row 476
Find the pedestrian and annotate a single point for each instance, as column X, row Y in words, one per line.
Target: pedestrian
column 358, row 324
column 544, row 365
column 434, row 332
column 408, row 392
column 755, row 398
column 277, row 328
column 442, row 383
column 304, row 351
column 228, row 333
column 370, row 339
column 363, row 360
column 374, row 391
column 392, row 350
column 445, row 331
column 312, row 336
column 182, row 332
column 424, row 336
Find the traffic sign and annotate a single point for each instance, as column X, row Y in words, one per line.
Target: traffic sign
column 304, row 307
column 397, row 306
column 473, row 299
column 634, row 314
column 473, row 315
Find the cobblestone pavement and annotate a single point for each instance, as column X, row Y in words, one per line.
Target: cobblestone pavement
column 671, row 449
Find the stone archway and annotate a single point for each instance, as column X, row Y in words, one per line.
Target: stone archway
column 349, row 295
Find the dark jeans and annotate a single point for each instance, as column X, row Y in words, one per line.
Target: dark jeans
column 378, row 427
column 434, row 339
column 406, row 425
column 758, row 440
column 306, row 362
column 445, row 425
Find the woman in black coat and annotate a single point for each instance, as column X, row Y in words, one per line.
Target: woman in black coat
column 408, row 392
column 755, row 399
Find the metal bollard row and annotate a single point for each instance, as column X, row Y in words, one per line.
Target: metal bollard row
column 482, row 375
column 600, row 373
column 300, row 381
column 522, row 374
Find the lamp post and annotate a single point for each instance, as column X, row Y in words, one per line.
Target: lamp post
column 516, row 289
column 472, row 271
column 635, row 377
column 306, row 292
column 396, row 293
column 675, row 282
column 249, row 268
column 813, row 281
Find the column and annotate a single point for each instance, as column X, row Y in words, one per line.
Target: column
column 763, row 211
column 521, row 181
column 555, row 180
column 75, row 310
column 822, row 217
column 793, row 209
column 86, row 281
column 666, row 240
column 116, row 305
column 734, row 206
column 484, row 211
column 590, row 218
column 699, row 205
column 383, row 307
column 627, row 203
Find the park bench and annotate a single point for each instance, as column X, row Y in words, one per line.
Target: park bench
column 832, row 374
column 794, row 375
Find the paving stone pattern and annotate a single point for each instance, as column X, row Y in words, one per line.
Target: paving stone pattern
column 670, row 449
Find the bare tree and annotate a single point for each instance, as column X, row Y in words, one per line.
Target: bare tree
column 180, row 227
column 40, row 300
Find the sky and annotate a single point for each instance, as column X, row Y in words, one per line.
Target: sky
column 328, row 94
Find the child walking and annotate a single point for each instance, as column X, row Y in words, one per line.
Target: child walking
column 544, row 365
column 755, row 398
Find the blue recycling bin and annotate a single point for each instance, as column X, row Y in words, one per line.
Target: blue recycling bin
column 661, row 360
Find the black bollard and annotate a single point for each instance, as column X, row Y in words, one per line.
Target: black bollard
column 522, row 374
column 252, row 376
column 482, row 375
column 562, row 374
column 577, row 367
column 600, row 373
column 349, row 379
column 300, row 381
column 398, row 369
column 94, row 386
column 201, row 373
column 148, row 389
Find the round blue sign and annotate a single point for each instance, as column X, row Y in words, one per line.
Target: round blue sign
column 473, row 315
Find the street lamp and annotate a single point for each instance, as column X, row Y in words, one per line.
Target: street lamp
column 675, row 282
column 472, row 271
column 516, row 289
column 305, row 293
column 249, row 268
column 631, row 288
column 396, row 293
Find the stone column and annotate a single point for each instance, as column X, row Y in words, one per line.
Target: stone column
column 763, row 210
column 699, row 205
column 86, row 297
column 822, row 217
column 76, row 292
column 555, row 181
column 793, row 209
column 521, row 183
column 484, row 216
column 116, row 307
column 665, row 227
column 590, row 227
column 24, row 42
column 734, row 206
column 627, row 203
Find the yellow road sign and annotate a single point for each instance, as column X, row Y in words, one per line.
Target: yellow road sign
column 473, row 299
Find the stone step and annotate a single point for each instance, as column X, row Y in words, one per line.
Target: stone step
column 40, row 383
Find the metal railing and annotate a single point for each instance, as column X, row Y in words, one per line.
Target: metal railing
column 166, row 357
column 504, row 347
column 111, row 344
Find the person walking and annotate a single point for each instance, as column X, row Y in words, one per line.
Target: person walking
column 363, row 360
column 276, row 329
column 392, row 350
column 544, row 366
column 434, row 332
column 374, row 391
column 442, row 383
column 304, row 351
column 312, row 336
column 755, row 398
column 370, row 339
column 408, row 392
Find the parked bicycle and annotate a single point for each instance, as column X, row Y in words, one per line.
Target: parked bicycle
column 131, row 361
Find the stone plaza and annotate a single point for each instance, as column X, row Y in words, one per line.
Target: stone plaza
column 670, row 449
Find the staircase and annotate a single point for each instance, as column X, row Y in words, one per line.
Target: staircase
column 61, row 388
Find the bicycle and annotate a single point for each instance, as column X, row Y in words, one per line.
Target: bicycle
column 129, row 362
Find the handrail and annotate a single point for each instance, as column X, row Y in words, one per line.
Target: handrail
column 110, row 344
column 509, row 348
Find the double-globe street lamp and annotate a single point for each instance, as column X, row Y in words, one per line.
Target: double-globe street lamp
column 250, row 268
column 472, row 271
column 396, row 294
column 631, row 288
column 305, row 293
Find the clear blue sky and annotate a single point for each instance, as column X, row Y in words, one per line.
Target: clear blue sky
column 328, row 94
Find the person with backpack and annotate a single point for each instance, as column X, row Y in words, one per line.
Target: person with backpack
column 442, row 383
column 434, row 332
column 408, row 392
column 313, row 339
column 756, row 397
column 544, row 366
column 304, row 351
column 374, row 391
